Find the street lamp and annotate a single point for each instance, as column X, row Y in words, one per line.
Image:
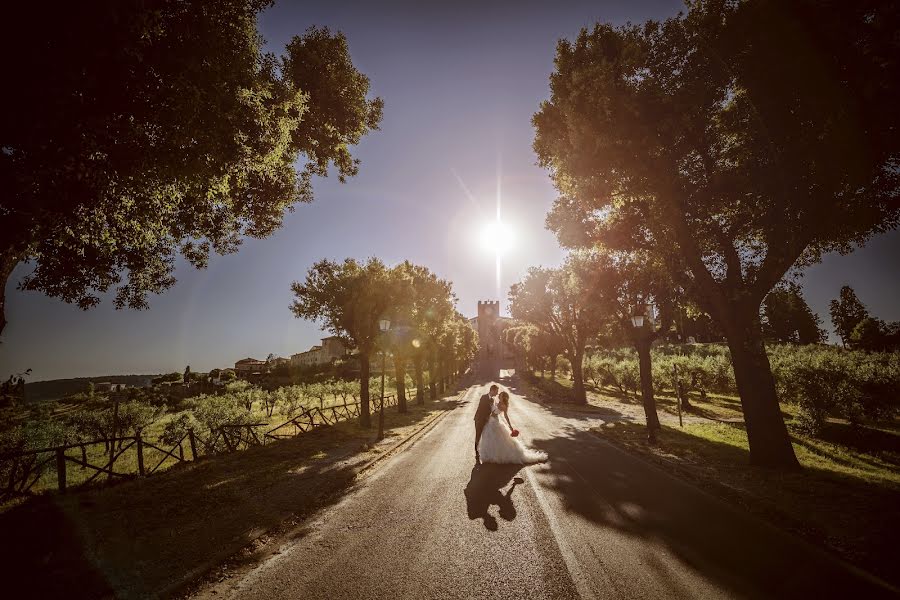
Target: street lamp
column 637, row 321
column 384, row 325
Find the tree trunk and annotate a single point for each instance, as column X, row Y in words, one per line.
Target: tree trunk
column 365, row 417
column 770, row 444
column 441, row 380
column 643, row 350
column 400, row 374
column 8, row 262
column 420, row 380
column 578, row 392
column 432, row 379
column 553, row 368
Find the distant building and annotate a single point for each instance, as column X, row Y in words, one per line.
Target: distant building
column 331, row 349
column 247, row 366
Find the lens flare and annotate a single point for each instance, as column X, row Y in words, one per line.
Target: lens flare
column 496, row 237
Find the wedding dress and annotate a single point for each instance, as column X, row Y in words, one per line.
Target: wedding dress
column 498, row 446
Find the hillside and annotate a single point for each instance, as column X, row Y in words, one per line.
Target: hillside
column 54, row 389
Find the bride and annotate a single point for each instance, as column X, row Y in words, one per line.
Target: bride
column 497, row 444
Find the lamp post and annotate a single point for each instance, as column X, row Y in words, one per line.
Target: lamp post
column 384, row 325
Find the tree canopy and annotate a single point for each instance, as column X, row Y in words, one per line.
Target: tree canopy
column 132, row 132
column 734, row 158
column 846, row 313
column 563, row 303
column 788, row 318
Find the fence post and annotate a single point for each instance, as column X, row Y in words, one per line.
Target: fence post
column 61, row 469
column 140, row 454
column 193, row 442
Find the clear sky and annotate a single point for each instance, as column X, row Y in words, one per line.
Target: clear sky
column 460, row 81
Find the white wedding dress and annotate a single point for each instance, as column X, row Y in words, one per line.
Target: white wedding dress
column 498, row 446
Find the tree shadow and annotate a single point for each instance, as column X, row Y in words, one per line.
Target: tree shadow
column 569, row 410
column 633, row 497
column 485, row 489
column 884, row 444
column 148, row 537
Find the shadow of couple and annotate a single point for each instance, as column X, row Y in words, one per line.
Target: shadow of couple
column 485, row 488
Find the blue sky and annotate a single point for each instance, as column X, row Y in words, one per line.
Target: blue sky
column 460, row 82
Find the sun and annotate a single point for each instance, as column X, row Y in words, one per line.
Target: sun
column 496, row 237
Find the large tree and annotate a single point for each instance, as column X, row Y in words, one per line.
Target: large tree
column 133, row 131
column 739, row 140
column 349, row 299
column 846, row 313
column 563, row 304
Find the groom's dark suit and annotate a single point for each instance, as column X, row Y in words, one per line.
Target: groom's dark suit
column 482, row 414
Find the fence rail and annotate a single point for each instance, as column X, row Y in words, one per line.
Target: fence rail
column 21, row 471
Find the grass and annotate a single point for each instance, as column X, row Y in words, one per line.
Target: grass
column 127, row 462
column 845, row 498
column 146, row 537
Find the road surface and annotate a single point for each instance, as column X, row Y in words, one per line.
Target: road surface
column 593, row 522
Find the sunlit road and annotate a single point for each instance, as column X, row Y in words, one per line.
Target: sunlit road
column 593, row 522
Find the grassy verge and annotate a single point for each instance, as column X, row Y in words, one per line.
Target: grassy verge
column 845, row 498
column 146, row 537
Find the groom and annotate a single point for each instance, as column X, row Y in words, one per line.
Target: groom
column 482, row 414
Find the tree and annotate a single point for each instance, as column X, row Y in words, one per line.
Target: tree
column 846, row 313
column 874, row 335
column 349, row 299
column 562, row 303
column 187, row 375
column 786, row 317
column 734, row 158
column 140, row 130
column 431, row 303
column 637, row 283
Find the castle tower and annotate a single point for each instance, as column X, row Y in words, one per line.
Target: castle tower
column 489, row 351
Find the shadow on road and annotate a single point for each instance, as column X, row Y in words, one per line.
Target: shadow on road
column 627, row 495
column 485, row 489
column 569, row 410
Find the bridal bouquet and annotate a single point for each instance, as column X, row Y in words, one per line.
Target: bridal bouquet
column 514, row 432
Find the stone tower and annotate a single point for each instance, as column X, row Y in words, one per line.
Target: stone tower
column 489, row 348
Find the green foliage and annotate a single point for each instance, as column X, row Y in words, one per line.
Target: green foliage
column 177, row 427
column 169, row 377
column 134, row 416
column 350, row 298
column 822, row 381
column 732, row 159
column 786, row 317
column 846, row 313
column 826, row 381
column 875, row 335
column 139, row 131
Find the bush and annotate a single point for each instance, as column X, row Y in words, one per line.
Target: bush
column 822, row 381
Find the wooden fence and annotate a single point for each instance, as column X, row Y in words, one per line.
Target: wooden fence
column 20, row 471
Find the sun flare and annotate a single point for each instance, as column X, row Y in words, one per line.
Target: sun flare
column 496, row 237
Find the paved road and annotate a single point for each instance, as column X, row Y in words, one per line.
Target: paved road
column 594, row 522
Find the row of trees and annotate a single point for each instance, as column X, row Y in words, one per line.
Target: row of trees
column 709, row 156
column 351, row 299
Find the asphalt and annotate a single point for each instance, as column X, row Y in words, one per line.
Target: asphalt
column 592, row 522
